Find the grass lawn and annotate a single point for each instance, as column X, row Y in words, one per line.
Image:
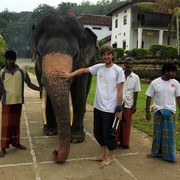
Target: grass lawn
column 139, row 121
column 31, row 70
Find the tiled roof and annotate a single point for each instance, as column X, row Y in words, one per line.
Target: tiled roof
column 101, row 20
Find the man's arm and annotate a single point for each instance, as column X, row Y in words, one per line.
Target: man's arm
column 148, row 103
column 178, row 103
column 68, row 75
column 33, row 86
column 0, row 93
column 119, row 100
column 134, row 102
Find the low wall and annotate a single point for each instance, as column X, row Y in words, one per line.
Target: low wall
column 25, row 62
column 146, row 69
column 151, row 69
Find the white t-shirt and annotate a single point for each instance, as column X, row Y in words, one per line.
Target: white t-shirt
column 164, row 93
column 106, row 86
column 131, row 85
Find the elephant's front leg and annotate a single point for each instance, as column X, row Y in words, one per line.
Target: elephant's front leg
column 79, row 94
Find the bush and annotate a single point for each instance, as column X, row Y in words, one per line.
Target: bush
column 119, row 53
column 137, row 53
column 163, row 51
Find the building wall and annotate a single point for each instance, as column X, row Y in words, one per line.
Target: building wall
column 125, row 33
column 101, row 33
column 121, row 32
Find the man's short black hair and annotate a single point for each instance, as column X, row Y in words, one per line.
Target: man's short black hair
column 10, row 54
column 129, row 59
column 168, row 67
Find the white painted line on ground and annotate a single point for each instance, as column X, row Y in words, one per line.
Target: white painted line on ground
column 40, row 137
column 128, row 154
column 91, row 136
column 31, row 145
column 15, row 165
column 68, row 160
column 125, row 169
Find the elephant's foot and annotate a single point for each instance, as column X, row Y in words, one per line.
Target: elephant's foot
column 55, row 156
column 77, row 137
column 49, row 131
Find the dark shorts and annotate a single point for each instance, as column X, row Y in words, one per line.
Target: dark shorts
column 102, row 129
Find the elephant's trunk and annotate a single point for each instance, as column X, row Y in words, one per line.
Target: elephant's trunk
column 58, row 91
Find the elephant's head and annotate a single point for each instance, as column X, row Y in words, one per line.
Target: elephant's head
column 60, row 44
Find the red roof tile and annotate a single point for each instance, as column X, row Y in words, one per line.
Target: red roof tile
column 101, row 20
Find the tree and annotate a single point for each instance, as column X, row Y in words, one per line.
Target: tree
column 165, row 6
column 168, row 7
column 41, row 10
column 2, row 47
column 176, row 26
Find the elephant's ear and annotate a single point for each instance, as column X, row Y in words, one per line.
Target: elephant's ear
column 89, row 46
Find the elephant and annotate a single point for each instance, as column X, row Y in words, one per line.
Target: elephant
column 62, row 43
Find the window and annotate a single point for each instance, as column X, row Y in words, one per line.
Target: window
column 110, row 28
column 97, row 28
column 116, row 23
column 124, row 44
column 114, row 45
column 125, row 19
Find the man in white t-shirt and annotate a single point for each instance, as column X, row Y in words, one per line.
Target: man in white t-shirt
column 130, row 94
column 165, row 91
column 107, row 102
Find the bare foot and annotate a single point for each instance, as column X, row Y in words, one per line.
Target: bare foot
column 149, row 156
column 173, row 162
column 2, row 153
column 98, row 158
column 107, row 161
column 19, row 146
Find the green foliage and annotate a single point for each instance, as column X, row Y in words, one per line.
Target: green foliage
column 156, row 49
column 90, row 97
column 137, row 53
column 148, row 5
column 63, row 8
column 119, row 53
column 163, row 51
column 31, row 70
column 2, row 46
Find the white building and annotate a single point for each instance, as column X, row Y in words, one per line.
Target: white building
column 135, row 27
column 99, row 24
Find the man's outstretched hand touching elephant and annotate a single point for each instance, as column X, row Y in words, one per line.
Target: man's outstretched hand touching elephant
column 68, row 75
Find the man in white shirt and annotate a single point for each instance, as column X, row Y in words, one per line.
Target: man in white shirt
column 165, row 91
column 130, row 94
column 107, row 102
